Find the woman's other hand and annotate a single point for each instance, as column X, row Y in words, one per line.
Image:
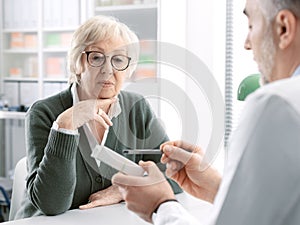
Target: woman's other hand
column 108, row 196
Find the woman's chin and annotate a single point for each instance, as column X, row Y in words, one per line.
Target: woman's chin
column 107, row 96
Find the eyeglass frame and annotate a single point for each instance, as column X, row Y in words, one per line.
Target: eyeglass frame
column 106, row 56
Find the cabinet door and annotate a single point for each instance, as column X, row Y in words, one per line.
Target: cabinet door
column 36, row 35
column 60, row 19
column 19, row 49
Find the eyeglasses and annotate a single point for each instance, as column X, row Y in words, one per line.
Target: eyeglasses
column 97, row 59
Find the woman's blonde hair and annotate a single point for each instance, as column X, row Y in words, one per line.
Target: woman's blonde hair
column 95, row 29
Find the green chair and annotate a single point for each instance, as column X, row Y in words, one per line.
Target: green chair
column 247, row 86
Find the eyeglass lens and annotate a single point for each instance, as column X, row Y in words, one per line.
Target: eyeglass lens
column 97, row 59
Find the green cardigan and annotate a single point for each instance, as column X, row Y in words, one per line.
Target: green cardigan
column 61, row 176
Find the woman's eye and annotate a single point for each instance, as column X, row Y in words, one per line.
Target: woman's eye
column 118, row 59
column 97, row 58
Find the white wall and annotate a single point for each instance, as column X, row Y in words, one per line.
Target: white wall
column 206, row 38
column 199, row 27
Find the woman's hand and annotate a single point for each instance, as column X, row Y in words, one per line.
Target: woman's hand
column 85, row 111
column 108, row 196
column 185, row 165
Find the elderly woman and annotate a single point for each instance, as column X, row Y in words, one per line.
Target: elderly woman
column 62, row 130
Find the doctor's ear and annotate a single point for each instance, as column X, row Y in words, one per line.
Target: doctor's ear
column 285, row 25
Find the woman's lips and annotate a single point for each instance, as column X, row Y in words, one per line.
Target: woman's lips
column 107, row 83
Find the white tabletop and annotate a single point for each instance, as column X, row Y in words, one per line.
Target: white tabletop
column 110, row 215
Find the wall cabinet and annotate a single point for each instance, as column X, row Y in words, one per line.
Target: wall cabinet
column 36, row 35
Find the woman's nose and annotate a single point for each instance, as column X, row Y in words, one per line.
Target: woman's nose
column 107, row 67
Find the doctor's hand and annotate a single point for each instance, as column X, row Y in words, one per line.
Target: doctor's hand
column 108, row 196
column 144, row 194
column 185, row 165
column 86, row 111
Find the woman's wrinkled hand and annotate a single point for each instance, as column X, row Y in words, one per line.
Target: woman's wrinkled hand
column 108, row 196
column 85, row 111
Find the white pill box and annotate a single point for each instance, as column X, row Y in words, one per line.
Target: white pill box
column 117, row 161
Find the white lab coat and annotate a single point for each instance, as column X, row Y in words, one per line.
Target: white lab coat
column 261, row 182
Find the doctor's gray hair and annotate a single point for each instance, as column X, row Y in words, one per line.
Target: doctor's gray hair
column 272, row 7
column 95, row 29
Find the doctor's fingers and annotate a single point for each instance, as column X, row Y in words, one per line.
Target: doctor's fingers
column 175, row 153
column 151, row 168
column 126, row 181
column 174, row 166
column 184, row 145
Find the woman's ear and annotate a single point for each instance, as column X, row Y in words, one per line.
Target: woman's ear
column 78, row 78
column 80, row 66
column 285, row 23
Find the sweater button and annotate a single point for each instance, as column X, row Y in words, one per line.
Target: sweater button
column 98, row 179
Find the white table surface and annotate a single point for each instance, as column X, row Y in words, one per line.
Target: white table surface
column 110, row 215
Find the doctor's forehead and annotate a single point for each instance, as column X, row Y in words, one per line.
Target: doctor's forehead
column 252, row 7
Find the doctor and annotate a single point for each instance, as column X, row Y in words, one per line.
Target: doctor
column 262, row 176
